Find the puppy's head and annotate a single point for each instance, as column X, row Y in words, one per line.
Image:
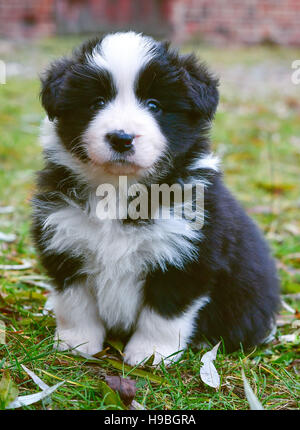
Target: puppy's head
column 126, row 102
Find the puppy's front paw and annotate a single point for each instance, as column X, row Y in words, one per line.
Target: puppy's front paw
column 139, row 350
column 77, row 342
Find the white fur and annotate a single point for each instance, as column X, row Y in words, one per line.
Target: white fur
column 124, row 55
column 209, row 161
column 58, row 154
column 166, row 338
column 118, row 256
column 78, row 323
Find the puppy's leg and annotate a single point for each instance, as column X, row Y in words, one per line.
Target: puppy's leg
column 78, row 324
column 166, row 338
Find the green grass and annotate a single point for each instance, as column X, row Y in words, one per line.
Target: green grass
column 260, row 150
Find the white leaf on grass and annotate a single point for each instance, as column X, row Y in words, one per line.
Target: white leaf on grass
column 33, row 398
column 6, row 209
column 253, row 401
column 7, row 237
column 137, row 406
column 208, row 372
column 35, row 378
column 2, row 332
column 288, row 338
column 25, row 265
column 296, row 324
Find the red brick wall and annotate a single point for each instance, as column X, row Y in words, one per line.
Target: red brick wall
column 26, row 18
column 32, row 18
column 241, row 21
column 112, row 15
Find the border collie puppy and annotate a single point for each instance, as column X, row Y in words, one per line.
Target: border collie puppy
column 129, row 106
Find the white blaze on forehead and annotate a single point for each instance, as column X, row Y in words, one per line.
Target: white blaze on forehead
column 123, row 55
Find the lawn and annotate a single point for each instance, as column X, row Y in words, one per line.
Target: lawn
column 257, row 135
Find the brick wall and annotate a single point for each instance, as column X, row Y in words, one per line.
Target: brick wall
column 150, row 16
column 241, row 21
column 218, row 21
column 26, row 18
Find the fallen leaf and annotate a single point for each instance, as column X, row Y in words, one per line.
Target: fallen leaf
column 110, row 397
column 124, row 386
column 289, row 338
column 283, row 320
column 292, row 228
column 137, row 406
column 208, row 372
column 276, row 189
column 7, row 237
column 8, row 390
column 33, row 398
column 6, row 210
column 294, row 256
column 35, row 378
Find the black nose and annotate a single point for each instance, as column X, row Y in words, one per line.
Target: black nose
column 120, row 141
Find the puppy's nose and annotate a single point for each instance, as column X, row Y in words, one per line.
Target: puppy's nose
column 120, row 141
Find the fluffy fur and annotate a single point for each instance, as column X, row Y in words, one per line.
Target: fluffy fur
column 158, row 282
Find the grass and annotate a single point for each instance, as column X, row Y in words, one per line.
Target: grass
column 258, row 138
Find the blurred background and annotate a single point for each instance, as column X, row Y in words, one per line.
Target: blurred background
column 250, row 44
column 244, row 21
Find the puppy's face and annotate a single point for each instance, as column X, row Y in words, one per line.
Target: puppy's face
column 127, row 102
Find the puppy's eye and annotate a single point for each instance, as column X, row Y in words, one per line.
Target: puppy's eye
column 99, row 103
column 153, row 105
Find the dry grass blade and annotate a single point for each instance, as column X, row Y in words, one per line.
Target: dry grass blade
column 253, row 401
column 24, row 266
column 2, row 332
column 287, row 307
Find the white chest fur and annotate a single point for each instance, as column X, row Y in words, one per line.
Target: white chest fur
column 118, row 256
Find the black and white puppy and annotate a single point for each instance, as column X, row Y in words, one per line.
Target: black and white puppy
column 128, row 106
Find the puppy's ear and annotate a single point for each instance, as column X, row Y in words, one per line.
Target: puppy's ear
column 202, row 86
column 52, row 84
